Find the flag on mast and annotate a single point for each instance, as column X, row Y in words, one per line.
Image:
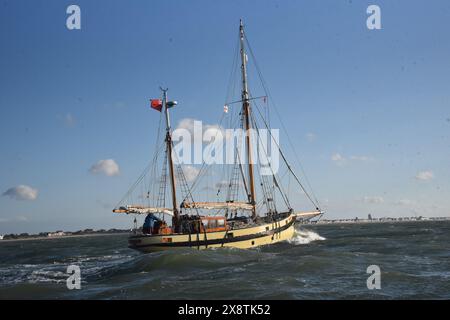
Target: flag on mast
column 156, row 104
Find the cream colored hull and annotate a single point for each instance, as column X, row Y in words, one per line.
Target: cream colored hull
column 244, row 238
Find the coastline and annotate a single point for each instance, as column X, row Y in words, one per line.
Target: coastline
column 366, row 221
column 64, row 237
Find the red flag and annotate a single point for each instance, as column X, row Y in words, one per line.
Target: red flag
column 156, row 104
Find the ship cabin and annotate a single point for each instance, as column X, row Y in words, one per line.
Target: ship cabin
column 193, row 224
column 214, row 224
column 189, row 224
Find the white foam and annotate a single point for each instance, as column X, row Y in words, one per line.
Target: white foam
column 304, row 237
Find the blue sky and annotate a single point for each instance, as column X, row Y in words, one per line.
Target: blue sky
column 368, row 111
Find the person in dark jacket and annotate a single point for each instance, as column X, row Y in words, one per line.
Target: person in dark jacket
column 149, row 223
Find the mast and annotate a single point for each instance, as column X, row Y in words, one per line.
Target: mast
column 246, row 109
column 176, row 216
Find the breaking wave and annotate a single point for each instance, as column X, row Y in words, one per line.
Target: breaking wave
column 304, row 237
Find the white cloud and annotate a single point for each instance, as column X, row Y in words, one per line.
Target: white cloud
column 188, row 124
column 190, row 173
column 341, row 160
column 373, row 199
column 22, row 192
column 338, row 159
column 69, row 120
column 425, row 175
column 311, row 136
column 107, row 167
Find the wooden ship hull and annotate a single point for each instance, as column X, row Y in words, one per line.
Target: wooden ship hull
column 242, row 238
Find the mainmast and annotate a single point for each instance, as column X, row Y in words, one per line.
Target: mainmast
column 175, row 219
column 246, row 109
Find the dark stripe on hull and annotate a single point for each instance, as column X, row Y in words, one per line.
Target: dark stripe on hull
column 198, row 244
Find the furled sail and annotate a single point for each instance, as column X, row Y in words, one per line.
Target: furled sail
column 218, row 205
column 143, row 210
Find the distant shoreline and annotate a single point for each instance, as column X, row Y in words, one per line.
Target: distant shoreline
column 366, row 221
column 64, row 237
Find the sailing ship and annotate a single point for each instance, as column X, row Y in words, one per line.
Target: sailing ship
column 226, row 222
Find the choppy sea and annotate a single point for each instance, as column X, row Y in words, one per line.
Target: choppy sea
column 320, row 262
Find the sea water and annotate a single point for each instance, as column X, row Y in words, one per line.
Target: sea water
column 319, row 262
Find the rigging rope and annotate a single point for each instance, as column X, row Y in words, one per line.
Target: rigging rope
column 278, row 185
column 289, row 166
column 136, row 183
column 151, row 165
column 266, row 90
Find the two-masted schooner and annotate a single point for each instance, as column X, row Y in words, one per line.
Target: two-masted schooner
column 230, row 222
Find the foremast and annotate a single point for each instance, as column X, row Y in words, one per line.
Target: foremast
column 246, row 111
column 176, row 214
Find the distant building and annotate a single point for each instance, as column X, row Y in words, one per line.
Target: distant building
column 1, row 237
column 369, row 217
column 56, row 234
